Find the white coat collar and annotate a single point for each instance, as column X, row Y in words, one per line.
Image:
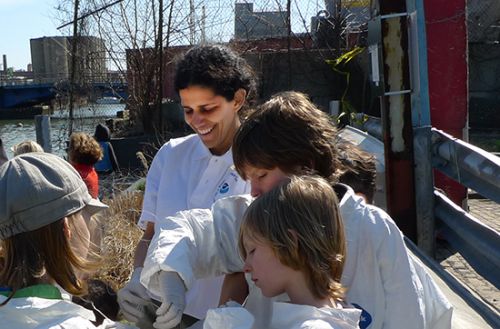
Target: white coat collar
column 201, row 152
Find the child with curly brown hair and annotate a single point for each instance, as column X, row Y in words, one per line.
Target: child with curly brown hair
column 83, row 153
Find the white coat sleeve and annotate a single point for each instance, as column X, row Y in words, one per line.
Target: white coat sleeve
column 151, row 189
column 197, row 243
column 228, row 318
column 438, row 310
column 402, row 294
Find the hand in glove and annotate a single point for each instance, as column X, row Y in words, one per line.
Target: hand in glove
column 133, row 298
column 173, row 297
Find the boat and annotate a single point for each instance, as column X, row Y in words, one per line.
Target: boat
column 108, row 100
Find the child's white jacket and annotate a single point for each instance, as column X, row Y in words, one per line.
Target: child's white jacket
column 378, row 272
column 285, row 315
column 42, row 313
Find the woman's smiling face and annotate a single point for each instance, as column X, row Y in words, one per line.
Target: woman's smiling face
column 212, row 116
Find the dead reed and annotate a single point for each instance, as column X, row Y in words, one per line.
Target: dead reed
column 116, row 235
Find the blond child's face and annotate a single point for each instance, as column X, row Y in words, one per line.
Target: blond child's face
column 263, row 180
column 267, row 272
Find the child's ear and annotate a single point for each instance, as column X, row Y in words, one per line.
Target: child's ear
column 66, row 228
column 239, row 98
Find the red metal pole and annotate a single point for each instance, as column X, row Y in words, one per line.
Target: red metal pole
column 446, row 33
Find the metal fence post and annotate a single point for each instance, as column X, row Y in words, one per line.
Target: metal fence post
column 424, row 189
column 42, row 125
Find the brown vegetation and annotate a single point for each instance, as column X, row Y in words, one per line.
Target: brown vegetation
column 116, row 234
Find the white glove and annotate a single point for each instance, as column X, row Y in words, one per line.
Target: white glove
column 173, row 298
column 133, row 298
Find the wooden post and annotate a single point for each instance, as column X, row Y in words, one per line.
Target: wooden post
column 397, row 117
column 42, row 125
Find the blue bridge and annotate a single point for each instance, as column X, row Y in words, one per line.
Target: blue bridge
column 14, row 95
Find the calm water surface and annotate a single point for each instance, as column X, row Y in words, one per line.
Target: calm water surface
column 13, row 132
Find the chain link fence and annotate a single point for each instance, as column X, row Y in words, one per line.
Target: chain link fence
column 483, row 21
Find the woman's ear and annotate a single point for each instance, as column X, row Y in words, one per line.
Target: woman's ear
column 66, row 228
column 239, row 98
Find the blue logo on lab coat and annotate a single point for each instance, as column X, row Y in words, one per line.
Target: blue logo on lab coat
column 224, row 188
column 365, row 319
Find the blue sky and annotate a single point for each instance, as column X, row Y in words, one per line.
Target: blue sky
column 20, row 21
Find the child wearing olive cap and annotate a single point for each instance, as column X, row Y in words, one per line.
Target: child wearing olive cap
column 44, row 205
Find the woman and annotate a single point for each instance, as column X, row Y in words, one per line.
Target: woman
column 44, row 242
column 214, row 85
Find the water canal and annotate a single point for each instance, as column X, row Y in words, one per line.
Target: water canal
column 86, row 118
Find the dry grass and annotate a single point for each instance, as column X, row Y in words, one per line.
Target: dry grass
column 116, row 233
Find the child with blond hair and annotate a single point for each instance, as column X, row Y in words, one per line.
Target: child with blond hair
column 292, row 240
column 26, row 147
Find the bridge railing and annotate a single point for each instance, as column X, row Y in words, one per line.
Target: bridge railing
column 62, row 78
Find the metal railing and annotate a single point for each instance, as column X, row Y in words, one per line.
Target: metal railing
column 467, row 164
column 474, row 168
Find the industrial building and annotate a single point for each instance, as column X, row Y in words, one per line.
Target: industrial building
column 51, row 59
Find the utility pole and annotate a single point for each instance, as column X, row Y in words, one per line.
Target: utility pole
column 203, row 25
column 74, row 43
column 191, row 22
column 160, row 66
column 289, row 41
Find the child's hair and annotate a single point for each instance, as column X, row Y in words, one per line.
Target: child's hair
column 300, row 221
column 84, row 149
column 358, row 169
column 288, row 132
column 218, row 68
column 26, row 147
column 27, row 256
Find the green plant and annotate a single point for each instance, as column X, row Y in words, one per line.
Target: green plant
column 347, row 114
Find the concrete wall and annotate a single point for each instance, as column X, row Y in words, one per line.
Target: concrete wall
column 254, row 25
column 269, row 58
column 309, row 74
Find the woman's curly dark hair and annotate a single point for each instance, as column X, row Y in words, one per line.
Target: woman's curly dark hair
column 218, row 68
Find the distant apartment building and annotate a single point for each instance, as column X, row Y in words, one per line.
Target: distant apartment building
column 354, row 13
column 250, row 25
column 51, row 59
